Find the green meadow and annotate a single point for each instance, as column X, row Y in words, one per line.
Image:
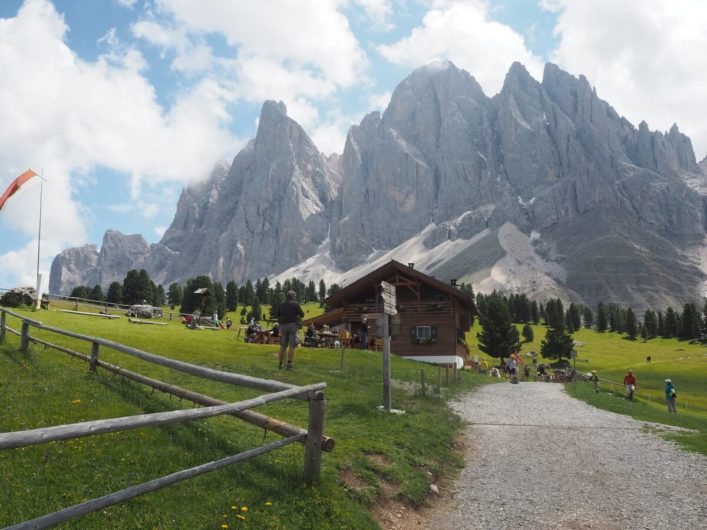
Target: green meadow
column 613, row 354
column 378, row 457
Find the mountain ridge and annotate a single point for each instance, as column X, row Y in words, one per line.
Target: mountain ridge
column 544, row 179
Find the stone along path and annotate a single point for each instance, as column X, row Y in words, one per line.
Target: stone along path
column 537, row 458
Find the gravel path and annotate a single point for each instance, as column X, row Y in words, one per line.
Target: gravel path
column 538, row 458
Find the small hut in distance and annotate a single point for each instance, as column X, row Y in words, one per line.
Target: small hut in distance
column 432, row 318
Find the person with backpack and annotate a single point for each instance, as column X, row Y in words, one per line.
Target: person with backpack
column 289, row 315
column 671, row 396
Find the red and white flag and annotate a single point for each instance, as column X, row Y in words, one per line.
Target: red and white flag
column 16, row 185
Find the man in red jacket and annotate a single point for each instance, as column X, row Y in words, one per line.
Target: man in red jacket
column 631, row 384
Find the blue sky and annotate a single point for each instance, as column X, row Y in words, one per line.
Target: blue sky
column 122, row 103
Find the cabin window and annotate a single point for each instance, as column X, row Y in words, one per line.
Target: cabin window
column 423, row 334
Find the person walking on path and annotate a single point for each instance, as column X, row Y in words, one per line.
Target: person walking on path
column 670, row 396
column 631, row 384
column 595, row 381
column 289, row 315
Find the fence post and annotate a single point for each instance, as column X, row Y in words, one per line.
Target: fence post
column 2, row 326
column 439, row 379
column 422, row 381
column 94, row 356
column 313, row 443
column 24, row 342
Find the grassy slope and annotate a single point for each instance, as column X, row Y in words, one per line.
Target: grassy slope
column 46, row 387
column 612, row 355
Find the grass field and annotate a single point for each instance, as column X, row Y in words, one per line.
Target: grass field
column 377, row 456
column 612, row 355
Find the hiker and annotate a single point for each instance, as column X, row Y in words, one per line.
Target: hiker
column 289, row 315
column 229, row 323
column 670, row 396
column 631, row 384
column 595, row 381
column 526, row 372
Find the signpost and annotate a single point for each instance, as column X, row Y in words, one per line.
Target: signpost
column 573, row 356
column 389, row 302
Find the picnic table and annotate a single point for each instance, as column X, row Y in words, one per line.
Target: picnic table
column 326, row 338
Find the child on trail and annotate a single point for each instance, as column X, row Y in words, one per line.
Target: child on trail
column 670, row 396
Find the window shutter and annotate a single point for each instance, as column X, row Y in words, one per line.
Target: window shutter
column 413, row 333
column 433, row 332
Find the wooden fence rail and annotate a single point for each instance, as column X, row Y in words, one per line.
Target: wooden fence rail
column 313, row 438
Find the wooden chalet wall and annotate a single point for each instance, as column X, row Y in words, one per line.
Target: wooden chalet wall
column 419, row 304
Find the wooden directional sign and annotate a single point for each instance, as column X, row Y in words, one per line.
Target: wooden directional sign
column 389, row 299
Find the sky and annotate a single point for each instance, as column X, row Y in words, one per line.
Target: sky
column 120, row 104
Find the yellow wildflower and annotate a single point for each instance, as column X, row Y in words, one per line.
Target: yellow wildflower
column 76, row 402
column 244, row 508
column 268, row 503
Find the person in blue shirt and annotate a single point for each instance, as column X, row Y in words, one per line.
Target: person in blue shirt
column 670, row 396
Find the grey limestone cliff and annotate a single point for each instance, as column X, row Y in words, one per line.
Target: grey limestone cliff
column 544, row 179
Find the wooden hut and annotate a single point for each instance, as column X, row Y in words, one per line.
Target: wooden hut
column 431, row 321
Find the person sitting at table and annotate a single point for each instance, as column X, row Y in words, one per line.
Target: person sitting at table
column 310, row 336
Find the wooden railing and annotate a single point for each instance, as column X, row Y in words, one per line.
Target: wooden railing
column 312, row 438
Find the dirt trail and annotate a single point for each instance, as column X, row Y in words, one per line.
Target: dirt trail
column 537, row 458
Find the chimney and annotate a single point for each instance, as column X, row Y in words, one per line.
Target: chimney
column 411, row 265
column 453, row 281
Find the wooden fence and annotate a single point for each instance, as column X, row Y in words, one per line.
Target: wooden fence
column 312, row 438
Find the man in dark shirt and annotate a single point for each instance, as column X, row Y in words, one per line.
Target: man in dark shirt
column 290, row 313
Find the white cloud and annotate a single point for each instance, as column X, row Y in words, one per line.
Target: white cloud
column 127, row 3
column 379, row 11
column 379, row 101
column 312, row 36
column 462, row 32
column 645, row 58
column 330, row 135
column 160, row 230
column 68, row 115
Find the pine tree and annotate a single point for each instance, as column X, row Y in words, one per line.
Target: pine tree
column 587, row 317
column 311, row 292
column 159, row 296
column 499, row 336
column 556, row 344
column 690, row 324
column 670, row 324
column 631, row 324
column 115, row 293
column 322, row 291
column 574, row 321
column 220, row 299
column 174, row 294
column 97, row 293
column 249, row 293
column 527, row 332
column 661, row 324
column 602, row 319
column 255, row 309
column 278, row 297
column 650, row 323
column 80, row 292
column 535, row 312
column 231, row 296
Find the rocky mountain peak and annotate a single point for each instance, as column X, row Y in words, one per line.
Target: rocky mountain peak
column 544, row 187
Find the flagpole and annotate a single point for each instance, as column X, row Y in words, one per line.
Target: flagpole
column 39, row 235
